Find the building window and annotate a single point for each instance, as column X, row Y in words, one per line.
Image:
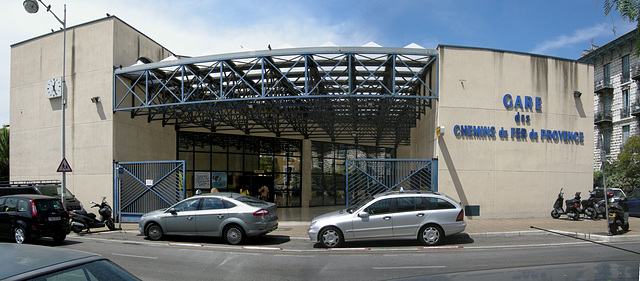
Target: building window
column 607, row 74
column 626, row 130
column 626, row 104
column 625, row 69
column 607, row 141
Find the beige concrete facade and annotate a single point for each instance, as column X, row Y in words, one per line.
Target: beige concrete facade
column 504, row 176
column 95, row 137
column 509, row 176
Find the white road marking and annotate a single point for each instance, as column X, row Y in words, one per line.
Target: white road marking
column 409, row 267
column 132, row 256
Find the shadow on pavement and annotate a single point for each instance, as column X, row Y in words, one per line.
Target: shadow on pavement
column 453, row 240
column 268, row 240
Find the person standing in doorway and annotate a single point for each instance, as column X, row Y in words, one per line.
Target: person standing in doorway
column 264, row 192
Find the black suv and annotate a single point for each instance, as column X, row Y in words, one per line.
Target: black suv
column 42, row 187
column 27, row 216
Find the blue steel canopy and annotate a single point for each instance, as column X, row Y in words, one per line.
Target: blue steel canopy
column 361, row 94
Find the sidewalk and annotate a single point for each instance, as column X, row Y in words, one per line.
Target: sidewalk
column 298, row 229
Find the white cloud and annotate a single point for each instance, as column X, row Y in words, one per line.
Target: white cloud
column 189, row 27
column 578, row 37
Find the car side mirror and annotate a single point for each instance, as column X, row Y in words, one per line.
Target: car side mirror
column 363, row 215
column 172, row 210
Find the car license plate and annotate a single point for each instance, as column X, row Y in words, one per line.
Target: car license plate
column 53, row 219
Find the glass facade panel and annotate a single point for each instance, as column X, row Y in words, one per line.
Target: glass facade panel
column 219, row 162
column 329, row 169
column 235, row 162
column 202, row 161
column 248, row 162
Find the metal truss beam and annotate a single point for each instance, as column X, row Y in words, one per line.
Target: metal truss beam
column 362, row 94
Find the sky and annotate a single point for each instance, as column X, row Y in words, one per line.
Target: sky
column 557, row 28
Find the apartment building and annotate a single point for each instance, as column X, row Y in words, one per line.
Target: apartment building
column 616, row 97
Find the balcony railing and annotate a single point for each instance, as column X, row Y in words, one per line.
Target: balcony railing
column 603, row 86
column 635, row 109
column 602, row 117
column 625, row 112
column 635, row 72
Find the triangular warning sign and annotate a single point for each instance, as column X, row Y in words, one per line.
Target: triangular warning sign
column 64, row 166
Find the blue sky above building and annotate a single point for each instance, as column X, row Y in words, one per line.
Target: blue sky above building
column 554, row 28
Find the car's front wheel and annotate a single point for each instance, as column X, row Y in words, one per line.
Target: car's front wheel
column 233, row 234
column 154, row 232
column 331, row 237
column 430, row 235
column 19, row 235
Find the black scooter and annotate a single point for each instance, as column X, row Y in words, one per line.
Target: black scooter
column 618, row 215
column 82, row 220
column 573, row 207
column 593, row 207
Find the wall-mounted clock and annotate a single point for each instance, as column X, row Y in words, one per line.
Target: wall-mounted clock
column 54, row 88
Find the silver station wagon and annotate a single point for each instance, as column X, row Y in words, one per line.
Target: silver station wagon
column 229, row 215
column 423, row 215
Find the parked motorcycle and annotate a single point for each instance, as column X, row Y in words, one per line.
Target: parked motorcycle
column 618, row 215
column 80, row 219
column 557, row 206
column 593, row 207
column 573, row 207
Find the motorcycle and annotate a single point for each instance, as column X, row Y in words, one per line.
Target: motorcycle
column 618, row 215
column 80, row 219
column 573, row 207
column 593, row 207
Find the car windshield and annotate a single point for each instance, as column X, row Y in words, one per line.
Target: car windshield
column 98, row 270
column 251, row 201
column 357, row 206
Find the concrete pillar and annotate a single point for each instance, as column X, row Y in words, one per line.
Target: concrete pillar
column 306, row 173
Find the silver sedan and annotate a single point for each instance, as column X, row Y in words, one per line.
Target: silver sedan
column 229, row 215
column 426, row 216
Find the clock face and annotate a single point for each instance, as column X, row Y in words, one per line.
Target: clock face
column 54, row 88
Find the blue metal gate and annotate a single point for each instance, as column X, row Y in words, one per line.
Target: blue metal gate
column 368, row 177
column 141, row 187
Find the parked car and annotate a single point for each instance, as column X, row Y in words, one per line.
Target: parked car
column 615, row 193
column 31, row 262
column 49, row 188
column 426, row 216
column 634, row 203
column 229, row 215
column 27, row 216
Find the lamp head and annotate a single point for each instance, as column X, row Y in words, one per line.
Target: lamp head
column 31, row 6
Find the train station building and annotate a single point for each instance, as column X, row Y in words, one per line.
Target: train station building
column 499, row 131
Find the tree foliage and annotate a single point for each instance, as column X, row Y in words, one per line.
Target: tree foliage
column 4, row 154
column 629, row 10
column 623, row 173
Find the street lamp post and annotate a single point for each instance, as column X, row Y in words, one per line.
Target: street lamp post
column 31, row 6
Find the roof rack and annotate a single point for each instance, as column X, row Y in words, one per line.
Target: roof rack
column 405, row 192
column 28, row 183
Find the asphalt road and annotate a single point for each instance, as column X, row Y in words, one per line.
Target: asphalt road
column 277, row 257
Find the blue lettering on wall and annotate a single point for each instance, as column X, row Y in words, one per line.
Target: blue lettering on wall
column 477, row 131
column 526, row 103
column 507, row 101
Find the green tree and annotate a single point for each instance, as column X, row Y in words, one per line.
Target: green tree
column 629, row 10
column 4, row 154
column 629, row 162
